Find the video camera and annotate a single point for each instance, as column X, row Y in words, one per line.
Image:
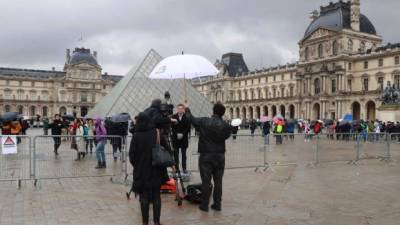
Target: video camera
column 166, row 108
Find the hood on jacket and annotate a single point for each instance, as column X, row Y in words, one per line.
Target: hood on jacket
column 156, row 103
column 143, row 123
column 98, row 122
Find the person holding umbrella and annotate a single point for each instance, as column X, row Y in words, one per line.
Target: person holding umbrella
column 279, row 128
column 118, row 126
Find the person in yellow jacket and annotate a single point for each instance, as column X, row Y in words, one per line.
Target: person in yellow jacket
column 16, row 129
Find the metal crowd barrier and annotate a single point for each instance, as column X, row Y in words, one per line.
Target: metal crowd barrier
column 67, row 164
column 35, row 158
column 16, row 166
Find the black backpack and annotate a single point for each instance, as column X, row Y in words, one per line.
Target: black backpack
column 194, row 193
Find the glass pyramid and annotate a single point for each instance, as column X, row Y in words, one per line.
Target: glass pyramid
column 135, row 91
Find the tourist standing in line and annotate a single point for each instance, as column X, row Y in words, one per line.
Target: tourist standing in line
column 101, row 140
column 56, row 127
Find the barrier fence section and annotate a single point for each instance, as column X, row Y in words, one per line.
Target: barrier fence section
column 290, row 149
column 36, row 157
column 394, row 147
column 75, row 156
column 15, row 166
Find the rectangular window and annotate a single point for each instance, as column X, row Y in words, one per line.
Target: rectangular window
column 365, row 84
column 380, row 63
column 397, row 60
column 380, row 83
column 274, row 78
column 84, row 97
column 349, row 83
column 333, row 86
column 282, row 92
column 62, row 85
column 283, row 77
column 350, row 65
column 366, row 65
column 291, row 91
column 33, row 83
column 291, row 76
column 274, row 93
column 397, row 81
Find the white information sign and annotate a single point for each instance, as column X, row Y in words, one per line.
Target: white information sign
column 9, row 144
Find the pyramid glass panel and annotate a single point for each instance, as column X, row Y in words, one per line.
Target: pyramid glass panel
column 135, row 91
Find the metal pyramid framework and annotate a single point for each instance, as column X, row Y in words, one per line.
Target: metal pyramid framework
column 135, row 91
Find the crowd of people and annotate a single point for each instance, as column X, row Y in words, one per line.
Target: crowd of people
column 334, row 129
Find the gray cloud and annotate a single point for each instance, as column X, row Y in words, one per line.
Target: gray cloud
column 35, row 34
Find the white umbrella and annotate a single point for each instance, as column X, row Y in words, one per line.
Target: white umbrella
column 236, row 122
column 183, row 67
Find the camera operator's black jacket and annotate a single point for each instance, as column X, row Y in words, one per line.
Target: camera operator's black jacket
column 157, row 119
column 161, row 122
column 213, row 133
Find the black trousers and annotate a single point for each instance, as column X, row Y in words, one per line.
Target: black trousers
column 57, row 143
column 211, row 166
column 147, row 197
column 176, row 155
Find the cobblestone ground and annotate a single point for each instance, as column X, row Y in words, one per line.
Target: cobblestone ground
column 291, row 193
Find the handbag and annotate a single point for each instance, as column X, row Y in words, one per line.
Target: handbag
column 160, row 156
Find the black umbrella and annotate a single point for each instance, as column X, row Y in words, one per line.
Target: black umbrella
column 121, row 118
column 9, row 116
column 68, row 117
column 328, row 122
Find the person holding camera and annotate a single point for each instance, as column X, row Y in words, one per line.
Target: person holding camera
column 180, row 135
column 213, row 133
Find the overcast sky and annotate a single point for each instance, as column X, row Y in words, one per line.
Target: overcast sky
column 35, row 34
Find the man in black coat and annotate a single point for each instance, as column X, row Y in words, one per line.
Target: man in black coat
column 213, row 133
column 56, row 129
column 180, row 135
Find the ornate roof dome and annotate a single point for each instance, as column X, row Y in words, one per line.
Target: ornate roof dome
column 336, row 16
column 82, row 55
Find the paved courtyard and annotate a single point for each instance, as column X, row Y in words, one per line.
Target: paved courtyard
column 291, row 193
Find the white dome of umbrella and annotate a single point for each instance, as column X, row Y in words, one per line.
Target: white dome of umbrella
column 183, row 66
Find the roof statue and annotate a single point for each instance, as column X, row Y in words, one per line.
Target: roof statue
column 391, row 95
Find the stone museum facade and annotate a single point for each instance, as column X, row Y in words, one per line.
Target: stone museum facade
column 75, row 90
column 342, row 68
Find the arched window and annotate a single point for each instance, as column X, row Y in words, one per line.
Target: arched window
column 335, row 48
column 320, row 51
column 350, row 45
column 307, row 53
column 317, row 86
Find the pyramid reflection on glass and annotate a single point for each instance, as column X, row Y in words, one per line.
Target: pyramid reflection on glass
column 135, row 91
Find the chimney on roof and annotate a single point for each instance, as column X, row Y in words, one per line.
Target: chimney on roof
column 355, row 15
column 67, row 56
column 53, row 68
column 95, row 54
